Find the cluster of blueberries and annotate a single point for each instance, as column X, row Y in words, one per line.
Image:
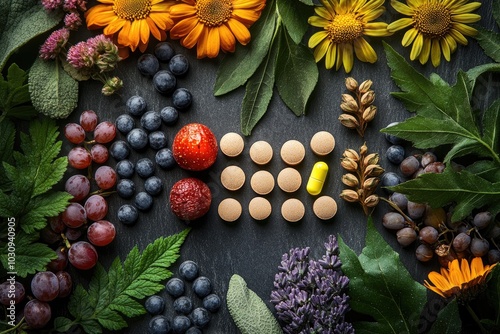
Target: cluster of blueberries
column 188, row 319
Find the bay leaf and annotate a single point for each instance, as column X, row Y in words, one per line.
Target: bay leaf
column 294, row 15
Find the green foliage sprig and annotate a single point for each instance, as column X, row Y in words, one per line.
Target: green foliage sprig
column 490, row 40
column 14, row 95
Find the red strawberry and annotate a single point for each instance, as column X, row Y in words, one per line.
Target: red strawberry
column 190, row 198
column 195, row 147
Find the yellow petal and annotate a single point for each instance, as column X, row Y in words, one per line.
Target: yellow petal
column 374, row 14
column 451, row 42
column 435, row 53
column 316, row 38
column 417, row 46
column 465, row 29
column 400, row 24
column 457, row 35
column 371, row 5
column 113, row 26
column 124, row 34
column 340, row 53
column 317, row 21
column 240, row 31
column 409, row 37
column 377, row 29
column 445, row 48
column 347, row 57
column 320, row 50
column 331, row 55
column 192, row 37
column 476, row 267
column 464, row 267
column 470, row 7
column 466, row 18
column 213, row 44
column 227, row 40
column 364, row 51
column 324, row 13
column 201, row 48
column 426, row 51
column 183, row 27
column 401, row 8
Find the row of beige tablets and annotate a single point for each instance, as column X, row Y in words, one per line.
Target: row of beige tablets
column 262, row 182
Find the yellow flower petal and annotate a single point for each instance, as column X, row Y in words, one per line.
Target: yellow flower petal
column 213, row 46
column 316, row 38
column 364, row 51
column 324, row 13
column 317, row 21
column 409, row 37
column 227, row 40
column 347, row 57
column 465, row 29
column 426, row 51
column 374, row 14
column 192, row 37
column 466, row 18
column 435, row 53
column 457, row 35
column 445, row 48
column 470, row 7
column 400, row 24
column 401, row 8
column 240, row 31
column 320, row 50
column 331, row 55
column 418, row 43
column 451, row 42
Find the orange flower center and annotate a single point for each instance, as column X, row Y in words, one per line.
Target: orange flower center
column 344, row 28
column 132, row 9
column 213, row 13
column 432, row 19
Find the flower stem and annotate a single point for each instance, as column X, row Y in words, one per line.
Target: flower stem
column 476, row 319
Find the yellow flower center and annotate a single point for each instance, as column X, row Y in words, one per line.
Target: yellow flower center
column 344, row 28
column 132, row 9
column 432, row 19
column 213, row 13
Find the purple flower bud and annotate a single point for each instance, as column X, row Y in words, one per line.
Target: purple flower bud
column 54, row 44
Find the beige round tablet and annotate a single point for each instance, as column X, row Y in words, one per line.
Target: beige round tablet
column 289, row 180
column 292, row 152
column 229, row 209
column 322, row 143
column 232, row 178
column 262, row 182
column 259, row 208
column 231, row 144
column 261, row 152
column 292, row 210
column 325, row 207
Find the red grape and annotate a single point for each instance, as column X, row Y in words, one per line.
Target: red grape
column 105, row 177
column 6, row 291
column 79, row 158
column 96, row 207
column 78, row 186
column 60, row 262
column 65, row 283
column 45, row 286
column 74, row 133
column 56, row 224
column 37, row 314
column 104, row 132
column 99, row 153
column 88, row 120
column 74, row 215
column 73, row 234
column 82, row 255
column 48, row 236
column 101, row 233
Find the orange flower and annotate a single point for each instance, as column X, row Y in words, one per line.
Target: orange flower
column 214, row 24
column 131, row 22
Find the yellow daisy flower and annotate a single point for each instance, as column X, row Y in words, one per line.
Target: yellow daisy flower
column 462, row 281
column 436, row 26
column 214, row 24
column 131, row 22
column 344, row 24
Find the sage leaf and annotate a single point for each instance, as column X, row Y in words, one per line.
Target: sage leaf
column 381, row 287
column 448, row 320
column 296, row 74
column 21, row 21
column 237, row 68
column 294, row 15
column 249, row 312
column 469, row 191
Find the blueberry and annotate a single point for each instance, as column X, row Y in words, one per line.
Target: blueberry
column 182, row 98
column 145, row 167
column 175, row 287
column 180, row 324
column 165, row 158
column 137, row 139
column 202, row 286
column 164, row 51
column 125, row 169
column 188, row 270
column 164, row 82
column 155, row 305
column 153, row 185
column 183, row 305
column 169, row 115
column 119, row 150
column 124, row 123
column 136, row 105
column 178, row 65
column 127, row 214
column 392, row 138
column 125, row 188
column 151, row 120
column 395, row 154
column 212, row 302
column 389, row 179
column 148, row 64
column 157, row 140
column 159, row 324
column 143, row 201
column 194, row 330
column 200, row 317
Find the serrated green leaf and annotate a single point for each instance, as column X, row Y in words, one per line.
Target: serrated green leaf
column 474, row 73
column 238, row 67
column 21, row 21
column 7, row 136
column 41, row 207
column 294, row 15
column 491, row 126
column 23, row 112
column 490, row 43
column 381, row 287
column 62, row 324
column 111, row 320
column 126, row 305
column 296, row 74
column 448, row 320
column 467, row 190
column 16, row 76
column 485, row 169
column 80, row 304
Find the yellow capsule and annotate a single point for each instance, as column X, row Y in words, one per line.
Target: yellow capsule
column 317, row 178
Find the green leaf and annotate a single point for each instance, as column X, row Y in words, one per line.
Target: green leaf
column 491, row 126
column 296, row 74
column 21, row 21
column 16, row 76
column 474, row 73
column 490, row 43
column 448, row 320
column 294, row 15
column 381, row 287
column 249, row 312
column 486, row 169
column 14, row 94
column 7, row 136
column 467, row 190
column 62, row 324
column 493, row 296
column 54, row 92
column 238, row 67
column 113, row 295
column 308, row 2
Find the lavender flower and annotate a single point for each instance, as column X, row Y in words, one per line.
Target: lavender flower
column 52, row 4
column 54, row 44
column 310, row 295
column 72, row 21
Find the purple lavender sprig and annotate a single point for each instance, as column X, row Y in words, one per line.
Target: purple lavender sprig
column 310, row 295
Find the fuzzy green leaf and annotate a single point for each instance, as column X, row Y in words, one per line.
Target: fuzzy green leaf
column 296, row 74
column 381, row 287
column 469, row 191
column 21, row 21
column 112, row 295
column 54, row 92
column 294, row 15
column 249, row 312
column 448, row 320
